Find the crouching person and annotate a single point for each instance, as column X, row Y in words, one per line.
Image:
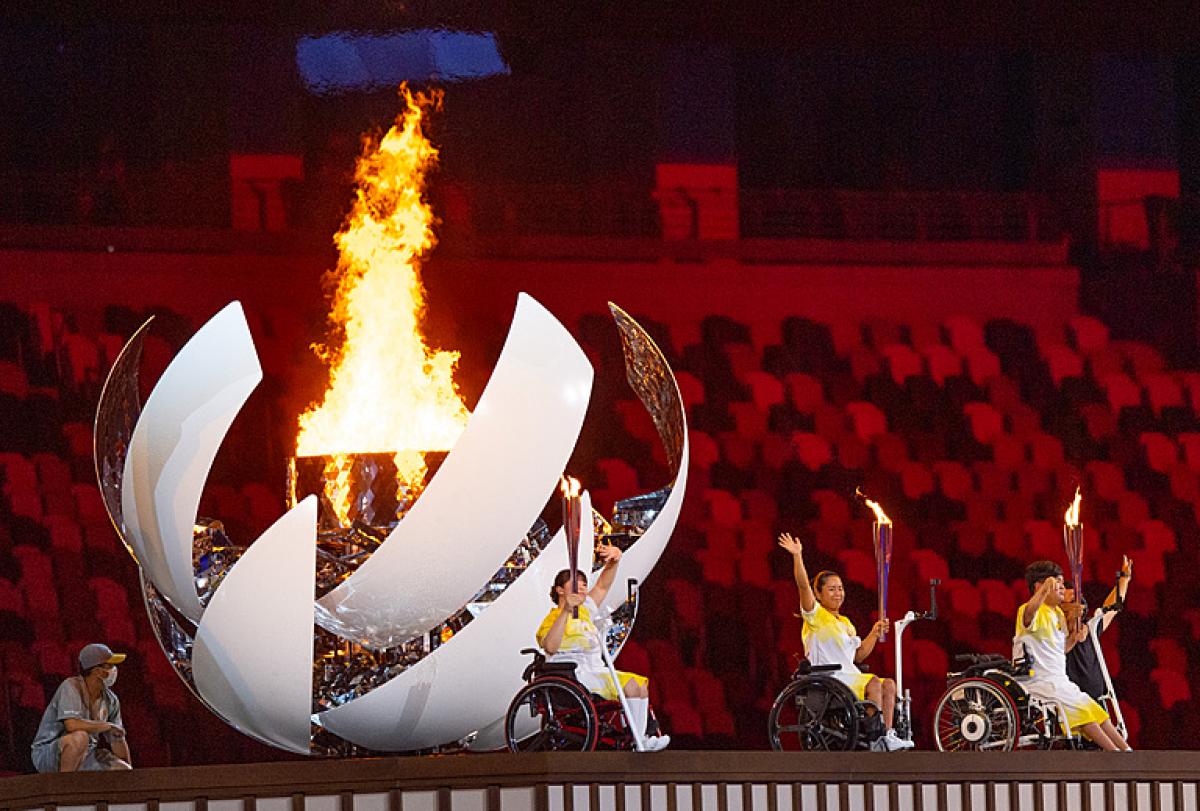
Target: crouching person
column 84, row 707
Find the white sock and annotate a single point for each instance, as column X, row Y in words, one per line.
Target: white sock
column 639, row 708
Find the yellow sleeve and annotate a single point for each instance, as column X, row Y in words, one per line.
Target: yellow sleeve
column 544, row 628
column 1043, row 621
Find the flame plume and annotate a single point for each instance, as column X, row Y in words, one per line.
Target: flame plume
column 880, row 516
column 1071, row 518
column 388, row 391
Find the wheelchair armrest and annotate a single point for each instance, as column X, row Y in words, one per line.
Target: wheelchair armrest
column 530, row 651
column 807, row 669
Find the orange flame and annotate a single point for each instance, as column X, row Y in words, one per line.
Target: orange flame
column 388, row 391
column 880, row 516
column 1071, row 519
column 569, row 486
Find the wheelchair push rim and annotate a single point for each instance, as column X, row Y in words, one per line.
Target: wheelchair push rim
column 976, row 714
column 551, row 714
column 814, row 715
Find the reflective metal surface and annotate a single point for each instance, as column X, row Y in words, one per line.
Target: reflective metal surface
column 116, row 416
column 651, row 379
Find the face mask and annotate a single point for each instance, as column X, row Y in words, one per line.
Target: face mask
column 111, row 678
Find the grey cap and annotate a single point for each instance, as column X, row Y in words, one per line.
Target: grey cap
column 98, row 654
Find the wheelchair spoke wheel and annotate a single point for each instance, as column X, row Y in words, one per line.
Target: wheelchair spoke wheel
column 551, row 714
column 813, row 714
column 976, row 715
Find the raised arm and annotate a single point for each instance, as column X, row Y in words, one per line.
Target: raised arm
column 1035, row 602
column 611, row 556
column 808, row 600
column 1119, row 590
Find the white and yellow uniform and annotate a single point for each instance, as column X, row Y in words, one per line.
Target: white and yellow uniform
column 830, row 639
column 581, row 644
column 1045, row 640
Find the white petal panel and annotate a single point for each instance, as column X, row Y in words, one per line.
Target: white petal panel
column 483, row 499
column 638, row 561
column 467, row 683
column 252, row 658
column 172, row 449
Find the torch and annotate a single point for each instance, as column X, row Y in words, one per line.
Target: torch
column 1073, row 541
column 881, row 535
column 571, row 528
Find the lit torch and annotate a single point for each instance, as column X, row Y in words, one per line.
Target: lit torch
column 1073, row 540
column 881, row 535
column 571, row 510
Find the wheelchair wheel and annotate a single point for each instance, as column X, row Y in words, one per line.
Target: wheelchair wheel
column 551, row 714
column 814, row 715
column 976, row 714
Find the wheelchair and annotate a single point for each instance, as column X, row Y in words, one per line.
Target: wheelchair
column 554, row 712
column 816, row 712
column 985, row 708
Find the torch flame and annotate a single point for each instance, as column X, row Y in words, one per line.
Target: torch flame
column 569, row 486
column 880, row 516
column 1071, row 518
column 388, row 391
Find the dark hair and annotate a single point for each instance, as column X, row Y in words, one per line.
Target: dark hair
column 1038, row 571
column 822, row 576
column 562, row 578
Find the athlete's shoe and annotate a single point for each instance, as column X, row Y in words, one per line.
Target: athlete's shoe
column 893, row 742
column 655, row 743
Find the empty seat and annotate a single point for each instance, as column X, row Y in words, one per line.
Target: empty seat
column 1087, row 333
column 866, row 419
column 1161, row 453
column 813, row 451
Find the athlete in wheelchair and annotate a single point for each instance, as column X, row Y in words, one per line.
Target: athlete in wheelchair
column 574, row 698
column 830, row 704
column 997, row 704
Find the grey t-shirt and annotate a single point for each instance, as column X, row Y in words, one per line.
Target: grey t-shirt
column 70, row 702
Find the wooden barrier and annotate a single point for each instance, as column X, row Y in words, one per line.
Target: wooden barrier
column 620, row 781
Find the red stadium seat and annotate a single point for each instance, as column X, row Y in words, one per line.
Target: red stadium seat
column 857, row 566
column 1063, row 362
column 916, row 480
column 1142, row 358
column 982, row 365
column 1087, row 333
column 942, row 362
column 963, row 598
column 833, row 510
column 1157, row 536
column 965, row 334
column 1161, row 452
column 985, row 421
column 864, row 363
column 903, row 362
column 1099, row 419
column 750, row 422
column 997, row 597
column 1106, row 480
column 1122, row 390
column 1045, row 540
column 1132, row 509
column 954, row 480
column 1163, row 391
column 867, row 420
column 703, row 450
column 765, row 390
column 1185, row 484
column 723, row 508
column 926, row 334
column 1045, row 451
column 813, row 451
column 1008, row 452
column 929, row 565
column 691, row 389
column 805, row 391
